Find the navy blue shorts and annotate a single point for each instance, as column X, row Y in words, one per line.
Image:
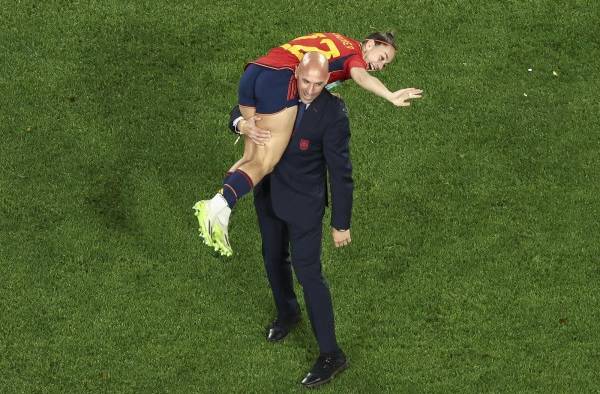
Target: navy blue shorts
column 267, row 89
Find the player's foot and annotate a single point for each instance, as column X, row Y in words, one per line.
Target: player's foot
column 220, row 235
column 201, row 209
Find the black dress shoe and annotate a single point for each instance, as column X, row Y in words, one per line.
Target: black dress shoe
column 279, row 328
column 325, row 369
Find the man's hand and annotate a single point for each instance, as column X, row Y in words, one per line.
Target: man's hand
column 400, row 97
column 256, row 134
column 340, row 238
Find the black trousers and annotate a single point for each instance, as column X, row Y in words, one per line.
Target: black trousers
column 277, row 237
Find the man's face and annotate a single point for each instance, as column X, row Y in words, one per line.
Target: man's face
column 311, row 82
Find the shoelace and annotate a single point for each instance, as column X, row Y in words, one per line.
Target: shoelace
column 327, row 360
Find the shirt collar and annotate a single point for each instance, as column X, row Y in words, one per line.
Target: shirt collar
column 302, row 102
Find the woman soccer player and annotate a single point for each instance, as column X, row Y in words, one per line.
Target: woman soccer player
column 268, row 89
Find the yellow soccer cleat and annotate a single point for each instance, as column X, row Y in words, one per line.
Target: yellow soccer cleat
column 204, row 221
column 220, row 239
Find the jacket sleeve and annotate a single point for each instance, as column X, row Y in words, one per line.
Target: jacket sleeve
column 233, row 115
column 336, row 148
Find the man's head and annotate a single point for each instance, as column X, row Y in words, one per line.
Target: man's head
column 312, row 74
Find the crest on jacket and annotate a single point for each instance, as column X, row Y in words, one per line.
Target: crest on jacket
column 304, row 144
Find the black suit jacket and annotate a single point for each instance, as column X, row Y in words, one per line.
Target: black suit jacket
column 297, row 185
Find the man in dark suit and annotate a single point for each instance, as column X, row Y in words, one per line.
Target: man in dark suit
column 290, row 204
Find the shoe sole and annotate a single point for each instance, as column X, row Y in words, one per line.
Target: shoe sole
column 220, row 242
column 333, row 375
column 277, row 340
column 201, row 212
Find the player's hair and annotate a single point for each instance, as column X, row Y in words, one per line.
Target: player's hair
column 382, row 38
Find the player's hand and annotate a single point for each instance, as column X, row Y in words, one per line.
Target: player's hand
column 400, row 98
column 341, row 238
column 256, row 134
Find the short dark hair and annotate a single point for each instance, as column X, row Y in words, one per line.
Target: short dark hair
column 382, row 38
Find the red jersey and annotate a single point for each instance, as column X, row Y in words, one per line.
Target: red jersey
column 343, row 53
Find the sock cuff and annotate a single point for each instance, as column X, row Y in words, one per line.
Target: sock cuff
column 231, row 189
column 247, row 178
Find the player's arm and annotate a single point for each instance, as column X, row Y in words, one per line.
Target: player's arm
column 368, row 82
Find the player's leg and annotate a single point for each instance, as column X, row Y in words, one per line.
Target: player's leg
column 271, row 93
column 207, row 210
column 249, row 173
column 276, row 103
column 267, row 156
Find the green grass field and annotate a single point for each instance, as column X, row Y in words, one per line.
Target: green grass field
column 475, row 259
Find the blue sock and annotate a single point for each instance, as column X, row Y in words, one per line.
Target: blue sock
column 236, row 186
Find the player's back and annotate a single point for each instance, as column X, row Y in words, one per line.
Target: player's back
column 341, row 52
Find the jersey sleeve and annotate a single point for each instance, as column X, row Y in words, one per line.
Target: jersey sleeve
column 354, row 61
